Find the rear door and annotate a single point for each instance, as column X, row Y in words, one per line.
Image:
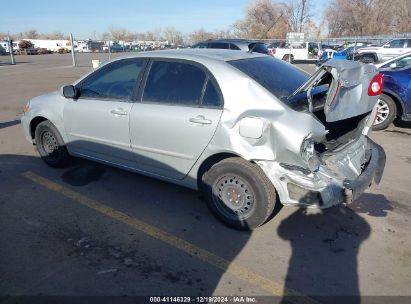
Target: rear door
column 97, row 123
column 176, row 117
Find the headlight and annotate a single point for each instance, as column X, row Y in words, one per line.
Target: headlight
column 310, row 156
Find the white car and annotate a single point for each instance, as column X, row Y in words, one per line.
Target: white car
column 385, row 52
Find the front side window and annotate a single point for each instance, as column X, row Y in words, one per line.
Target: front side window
column 396, row 43
column 116, row 81
column 175, row 83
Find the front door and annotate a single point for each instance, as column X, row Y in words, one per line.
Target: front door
column 97, row 123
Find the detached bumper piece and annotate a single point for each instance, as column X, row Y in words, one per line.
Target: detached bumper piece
column 372, row 172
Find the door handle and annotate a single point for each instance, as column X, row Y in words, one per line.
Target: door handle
column 200, row 119
column 119, row 112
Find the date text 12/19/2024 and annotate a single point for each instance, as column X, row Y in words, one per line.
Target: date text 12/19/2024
column 199, row 299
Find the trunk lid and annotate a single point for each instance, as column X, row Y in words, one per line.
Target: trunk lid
column 348, row 83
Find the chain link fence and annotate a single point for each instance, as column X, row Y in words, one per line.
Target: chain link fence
column 91, row 53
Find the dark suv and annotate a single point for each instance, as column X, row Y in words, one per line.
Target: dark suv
column 234, row 44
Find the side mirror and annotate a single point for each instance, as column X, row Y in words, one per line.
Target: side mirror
column 70, row 91
column 393, row 65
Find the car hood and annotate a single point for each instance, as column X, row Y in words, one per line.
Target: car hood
column 348, row 84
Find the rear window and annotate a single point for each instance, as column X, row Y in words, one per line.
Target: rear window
column 258, row 48
column 278, row 77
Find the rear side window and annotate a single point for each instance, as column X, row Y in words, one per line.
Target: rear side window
column 258, row 48
column 219, row 45
column 174, row 83
column 278, row 77
column 211, row 97
column 116, row 81
column 234, row 47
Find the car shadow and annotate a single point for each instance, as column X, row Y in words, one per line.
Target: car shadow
column 324, row 244
column 88, row 245
column 324, row 248
column 402, row 124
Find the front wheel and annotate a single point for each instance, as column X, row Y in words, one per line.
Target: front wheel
column 386, row 112
column 238, row 193
column 51, row 146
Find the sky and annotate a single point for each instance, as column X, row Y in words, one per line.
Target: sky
column 82, row 17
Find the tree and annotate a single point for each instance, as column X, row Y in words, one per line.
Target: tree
column 367, row 17
column 263, row 19
column 106, row 36
column 298, row 14
column 199, row 35
column 118, row 34
column 172, row 35
column 32, row 34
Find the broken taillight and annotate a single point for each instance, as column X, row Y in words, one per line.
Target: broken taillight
column 375, row 87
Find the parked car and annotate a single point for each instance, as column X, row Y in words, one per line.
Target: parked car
column 304, row 51
column 395, row 101
column 387, row 50
column 234, row 44
column 223, row 122
column 272, row 46
column 349, row 53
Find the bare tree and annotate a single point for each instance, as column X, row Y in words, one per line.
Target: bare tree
column 298, row 14
column 106, row 36
column 172, row 35
column 263, row 19
column 199, row 35
column 367, row 17
column 118, row 33
column 32, row 34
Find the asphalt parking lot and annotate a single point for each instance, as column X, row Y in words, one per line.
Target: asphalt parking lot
column 95, row 230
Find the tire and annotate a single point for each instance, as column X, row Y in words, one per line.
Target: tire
column 51, row 146
column 287, row 58
column 368, row 59
column 238, row 193
column 387, row 111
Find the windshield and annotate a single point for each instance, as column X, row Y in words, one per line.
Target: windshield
column 277, row 76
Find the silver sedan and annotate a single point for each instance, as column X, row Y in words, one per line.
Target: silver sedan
column 248, row 130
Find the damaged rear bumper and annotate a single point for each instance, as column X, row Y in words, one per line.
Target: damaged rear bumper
column 343, row 177
column 372, row 172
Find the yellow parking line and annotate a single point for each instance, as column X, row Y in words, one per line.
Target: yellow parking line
column 232, row 268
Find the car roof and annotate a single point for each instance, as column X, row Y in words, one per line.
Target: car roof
column 199, row 55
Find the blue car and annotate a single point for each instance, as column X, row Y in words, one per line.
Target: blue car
column 395, row 101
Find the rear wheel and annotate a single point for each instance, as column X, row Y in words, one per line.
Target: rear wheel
column 51, row 146
column 386, row 112
column 288, row 58
column 239, row 193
